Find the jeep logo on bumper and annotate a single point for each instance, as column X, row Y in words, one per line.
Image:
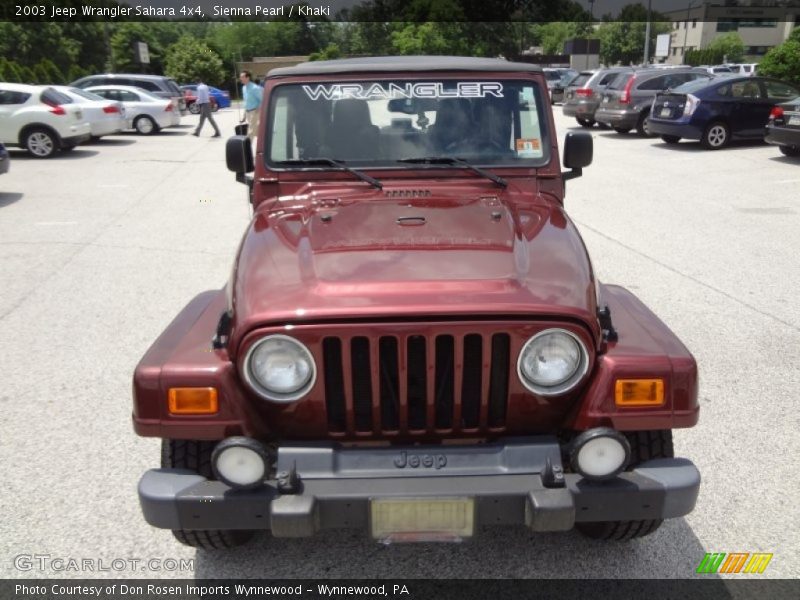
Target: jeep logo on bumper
column 426, row 461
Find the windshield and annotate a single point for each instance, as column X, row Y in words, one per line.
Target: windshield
column 378, row 123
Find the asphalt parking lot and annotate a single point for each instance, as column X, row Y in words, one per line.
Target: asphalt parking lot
column 100, row 248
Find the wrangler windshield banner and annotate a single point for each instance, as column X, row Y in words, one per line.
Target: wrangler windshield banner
column 437, row 89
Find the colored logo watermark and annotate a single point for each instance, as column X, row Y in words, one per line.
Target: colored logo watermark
column 734, row 562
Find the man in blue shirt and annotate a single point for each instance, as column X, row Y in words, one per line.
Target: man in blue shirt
column 252, row 95
column 204, row 102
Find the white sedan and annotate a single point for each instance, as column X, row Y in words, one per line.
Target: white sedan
column 143, row 112
column 105, row 116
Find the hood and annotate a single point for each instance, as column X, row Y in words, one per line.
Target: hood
column 387, row 255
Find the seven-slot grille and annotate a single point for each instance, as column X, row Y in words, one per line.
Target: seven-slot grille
column 416, row 384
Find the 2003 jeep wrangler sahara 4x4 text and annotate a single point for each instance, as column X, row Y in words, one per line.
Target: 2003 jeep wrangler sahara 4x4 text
column 412, row 340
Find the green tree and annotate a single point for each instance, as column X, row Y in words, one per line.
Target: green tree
column 623, row 42
column 190, row 60
column 330, row 52
column 122, row 49
column 729, row 46
column 783, row 61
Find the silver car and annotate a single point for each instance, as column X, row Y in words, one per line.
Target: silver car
column 143, row 112
column 582, row 96
column 106, row 117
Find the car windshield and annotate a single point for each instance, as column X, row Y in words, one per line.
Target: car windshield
column 378, row 123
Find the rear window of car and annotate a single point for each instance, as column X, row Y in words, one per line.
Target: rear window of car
column 51, row 96
column 607, row 79
column 173, row 86
column 620, row 82
column 85, row 94
column 146, row 84
column 13, row 97
column 691, row 86
column 552, row 75
column 581, row 79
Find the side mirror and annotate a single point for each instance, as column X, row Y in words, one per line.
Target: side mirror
column 578, row 150
column 239, row 156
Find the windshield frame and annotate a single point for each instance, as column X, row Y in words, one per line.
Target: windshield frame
column 542, row 109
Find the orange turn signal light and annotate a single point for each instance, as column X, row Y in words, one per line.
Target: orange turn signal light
column 639, row 392
column 193, row 401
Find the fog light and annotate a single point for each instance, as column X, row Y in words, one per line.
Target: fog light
column 240, row 462
column 600, row 453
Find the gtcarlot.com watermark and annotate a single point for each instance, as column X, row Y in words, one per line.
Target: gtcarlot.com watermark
column 71, row 564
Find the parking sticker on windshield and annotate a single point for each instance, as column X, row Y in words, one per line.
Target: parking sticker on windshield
column 529, row 147
column 427, row 89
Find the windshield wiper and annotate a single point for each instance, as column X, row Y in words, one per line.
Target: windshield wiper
column 452, row 160
column 339, row 164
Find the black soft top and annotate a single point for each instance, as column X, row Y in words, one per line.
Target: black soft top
column 403, row 64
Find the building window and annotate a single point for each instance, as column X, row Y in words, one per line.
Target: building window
column 736, row 24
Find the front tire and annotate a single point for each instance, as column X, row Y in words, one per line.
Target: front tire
column 716, row 136
column 584, row 122
column 789, row 150
column 645, row 445
column 145, row 125
column 194, row 109
column 196, row 456
column 40, row 142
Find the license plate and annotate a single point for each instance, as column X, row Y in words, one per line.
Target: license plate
column 665, row 112
column 422, row 519
column 793, row 121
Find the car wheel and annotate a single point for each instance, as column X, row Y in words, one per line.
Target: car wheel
column 145, row 125
column 40, row 142
column 716, row 136
column 643, row 125
column 671, row 139
column 194, row 109
column 622, row 130
column 790, row 150
column 584, row 122
column 645, row 445
column 196, row 456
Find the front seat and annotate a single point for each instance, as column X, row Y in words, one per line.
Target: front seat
column 352, row 135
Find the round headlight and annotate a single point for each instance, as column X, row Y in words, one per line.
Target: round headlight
column 552, row 362
column 280, row 368
column 240, row 462
column 600, row 453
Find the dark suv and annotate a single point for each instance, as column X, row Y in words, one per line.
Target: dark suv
column 158, row 85
column 582, row 96
column 626, row 101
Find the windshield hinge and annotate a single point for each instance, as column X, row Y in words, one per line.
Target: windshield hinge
column 604, row 316
column 220, row 339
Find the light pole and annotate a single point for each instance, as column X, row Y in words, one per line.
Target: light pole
column 686, row 30
column 647, row 36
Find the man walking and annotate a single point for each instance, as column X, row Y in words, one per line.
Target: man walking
column 204, row 103
column 252, row 95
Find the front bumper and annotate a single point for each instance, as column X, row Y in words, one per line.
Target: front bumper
column 512, row 483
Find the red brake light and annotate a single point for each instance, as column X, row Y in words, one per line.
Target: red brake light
column 56, row 109
column 776, row 113
column 110, row 109
column 626, row 93
column 168, row 107
column 586, row 92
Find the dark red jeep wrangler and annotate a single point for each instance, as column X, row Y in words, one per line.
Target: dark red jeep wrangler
column 412, row 341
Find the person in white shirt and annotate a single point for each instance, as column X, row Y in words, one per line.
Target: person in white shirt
column 204, row 102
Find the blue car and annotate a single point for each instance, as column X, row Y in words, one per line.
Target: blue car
column 5, row 160
column 717, row 111
column 221, row 97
